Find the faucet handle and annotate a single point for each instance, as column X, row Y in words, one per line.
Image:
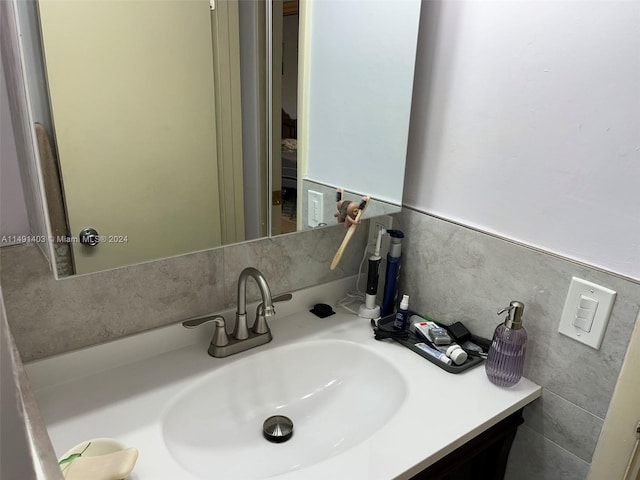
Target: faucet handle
column 196, row 322
column 270, row 311
column 285, row 297
column 260, row 325
column 220, row 338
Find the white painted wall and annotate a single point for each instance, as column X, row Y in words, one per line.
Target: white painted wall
column 361, row 63
column 526, row 123
column 13, row 210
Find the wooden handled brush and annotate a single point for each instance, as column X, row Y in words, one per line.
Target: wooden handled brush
column 352, row 229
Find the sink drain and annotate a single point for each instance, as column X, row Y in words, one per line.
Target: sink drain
column 277, row 429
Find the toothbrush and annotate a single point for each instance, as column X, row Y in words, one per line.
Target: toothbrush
column 374, row 268
column 369, row 309
column 361, row 208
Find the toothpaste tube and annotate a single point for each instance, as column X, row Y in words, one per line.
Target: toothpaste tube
column 434, row 353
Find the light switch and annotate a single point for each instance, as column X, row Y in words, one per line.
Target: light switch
column 583, row 324
column 586, row 312
column 315, row 208
column 588, row 303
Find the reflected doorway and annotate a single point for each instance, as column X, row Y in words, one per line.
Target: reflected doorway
column 287, row 133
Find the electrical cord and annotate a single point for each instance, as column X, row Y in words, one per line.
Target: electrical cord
column 347, row 300
column 354, row 296
column 364, row 256
column 381, row 332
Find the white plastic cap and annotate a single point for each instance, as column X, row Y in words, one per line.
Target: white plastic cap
column 404, row 303
column 445, row 359
column 457, row 354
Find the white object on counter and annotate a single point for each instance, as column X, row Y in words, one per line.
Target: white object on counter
column 98, row 459
column 113, row 466
column 456, row 354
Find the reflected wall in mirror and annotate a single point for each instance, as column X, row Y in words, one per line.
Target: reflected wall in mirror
column 169, row 141
column 320, row 205
column 357, row 112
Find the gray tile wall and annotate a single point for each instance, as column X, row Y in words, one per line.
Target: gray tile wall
column 451, row 272
column 455, row 273
column 49, row 316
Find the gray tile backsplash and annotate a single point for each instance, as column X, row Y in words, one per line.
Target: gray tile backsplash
column 534, row 457
column 455, row 273
column 451, row 273
column 564, row 424
column 49, row 316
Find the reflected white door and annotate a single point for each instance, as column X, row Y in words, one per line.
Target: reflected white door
column 132, row 97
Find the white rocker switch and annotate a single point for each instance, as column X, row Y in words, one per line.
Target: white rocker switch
column 585, row 313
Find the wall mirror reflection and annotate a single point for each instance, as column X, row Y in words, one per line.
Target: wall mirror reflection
column 171, row 126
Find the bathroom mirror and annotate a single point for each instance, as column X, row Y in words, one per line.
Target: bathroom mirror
column 171, row 138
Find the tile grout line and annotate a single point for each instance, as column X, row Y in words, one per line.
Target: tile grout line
column 547, row 439
column 522, row 244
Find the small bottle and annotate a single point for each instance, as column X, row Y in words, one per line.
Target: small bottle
column 505, row 361
column 402, row 315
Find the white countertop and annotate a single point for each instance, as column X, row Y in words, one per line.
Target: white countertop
column 122, row 388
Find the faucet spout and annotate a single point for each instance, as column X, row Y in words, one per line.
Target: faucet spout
column 241, row 330
column 242, row 339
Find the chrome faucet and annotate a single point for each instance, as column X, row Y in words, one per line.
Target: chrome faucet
column 242, row 338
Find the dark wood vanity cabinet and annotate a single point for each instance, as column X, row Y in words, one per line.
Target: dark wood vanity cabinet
column 482, row 458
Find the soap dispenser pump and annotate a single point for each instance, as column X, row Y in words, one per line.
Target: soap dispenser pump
column 505, row 361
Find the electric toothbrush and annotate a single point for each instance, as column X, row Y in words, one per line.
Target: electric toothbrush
column 369, row 309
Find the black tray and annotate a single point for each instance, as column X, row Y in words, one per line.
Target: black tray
column 472, row 360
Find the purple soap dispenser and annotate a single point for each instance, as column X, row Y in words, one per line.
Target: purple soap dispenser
column 505, row 361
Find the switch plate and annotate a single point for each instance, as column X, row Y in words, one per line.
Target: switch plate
column 586, row 312
column 315, row 208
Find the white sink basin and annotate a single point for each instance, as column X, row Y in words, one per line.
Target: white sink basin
column 337, row 393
